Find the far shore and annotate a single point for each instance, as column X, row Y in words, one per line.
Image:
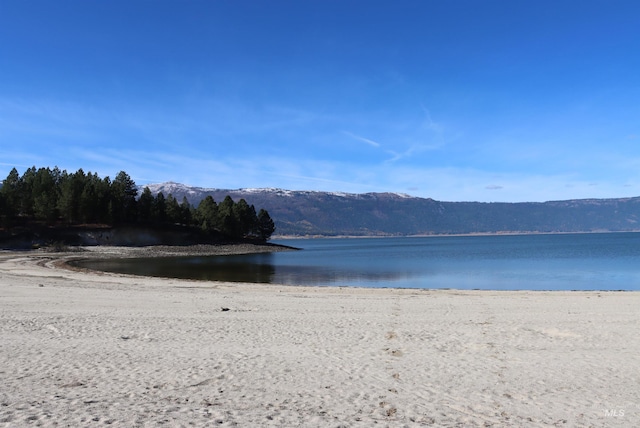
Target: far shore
column 444, row 235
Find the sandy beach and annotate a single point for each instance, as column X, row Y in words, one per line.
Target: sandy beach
column 96, row 349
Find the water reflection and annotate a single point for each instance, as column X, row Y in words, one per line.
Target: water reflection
column 257, row 268
column 218, row 268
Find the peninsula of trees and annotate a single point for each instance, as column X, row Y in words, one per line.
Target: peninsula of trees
column 51, row 197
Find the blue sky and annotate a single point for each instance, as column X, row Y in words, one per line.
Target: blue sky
column 454, row 100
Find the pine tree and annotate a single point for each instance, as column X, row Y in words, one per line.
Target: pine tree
column 159, row 212
column 71, row 188
column 246, row 218
column 145, row 206
column 123, row 193
column 227, row 220
column 266, row 226
column 45, row 195
column 186, row 212
column 11, row 192
column 207, row 214
column 3, row 211
column 174, row 213
column 27, row 182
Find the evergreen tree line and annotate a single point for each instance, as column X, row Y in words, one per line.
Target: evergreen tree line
column 55, row 197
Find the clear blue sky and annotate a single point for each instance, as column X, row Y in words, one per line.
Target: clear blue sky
column 454, row 100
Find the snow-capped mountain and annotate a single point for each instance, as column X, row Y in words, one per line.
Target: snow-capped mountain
column 195, row 194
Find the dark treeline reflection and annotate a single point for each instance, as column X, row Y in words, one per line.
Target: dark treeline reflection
column 214, row 268
column 257, row 268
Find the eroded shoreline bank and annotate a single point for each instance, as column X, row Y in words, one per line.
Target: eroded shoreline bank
column 173, row 251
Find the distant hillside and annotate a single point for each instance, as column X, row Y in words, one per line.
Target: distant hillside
column 391, row 214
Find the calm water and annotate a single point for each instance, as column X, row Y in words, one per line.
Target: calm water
column 532, row 262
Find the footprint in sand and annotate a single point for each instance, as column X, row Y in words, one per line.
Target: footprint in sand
column 554, row 332
column 394, row 352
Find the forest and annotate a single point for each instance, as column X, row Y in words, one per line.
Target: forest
column 52, row 197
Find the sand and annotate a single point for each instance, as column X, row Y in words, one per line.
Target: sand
column 90, row 349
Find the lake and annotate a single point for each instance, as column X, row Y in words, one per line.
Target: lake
column 594, row 261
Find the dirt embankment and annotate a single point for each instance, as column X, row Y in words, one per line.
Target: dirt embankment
column 123, row 236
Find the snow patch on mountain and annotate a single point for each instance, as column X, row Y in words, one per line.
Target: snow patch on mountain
column 174, row 188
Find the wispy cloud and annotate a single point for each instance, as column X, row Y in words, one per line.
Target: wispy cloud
column 410, row 152
column 364, row 140
column 32, row 120
column 408, row 139
column 429, row 123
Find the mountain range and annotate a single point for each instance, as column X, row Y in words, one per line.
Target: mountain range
column 315, row 213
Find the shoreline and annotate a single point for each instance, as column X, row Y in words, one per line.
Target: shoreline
column 444, row 235
column 81, row 348
column 181, row 250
